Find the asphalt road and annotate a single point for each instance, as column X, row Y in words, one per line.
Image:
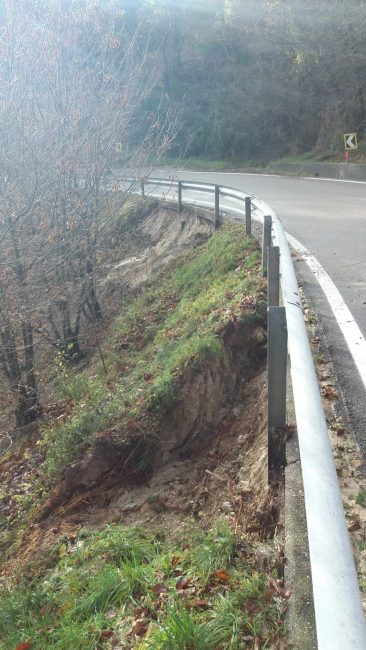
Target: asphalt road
column 329, row 218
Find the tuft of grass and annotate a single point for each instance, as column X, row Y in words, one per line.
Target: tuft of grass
column 361, row 498
column 180, row 631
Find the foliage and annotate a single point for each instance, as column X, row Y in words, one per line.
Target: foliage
column 129, row 586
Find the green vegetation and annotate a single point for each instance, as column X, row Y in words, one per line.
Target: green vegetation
column 184, row 589
column 168, row 332
column 125, row 213
column 127, row 587
column 208, row 163
column 361, row 498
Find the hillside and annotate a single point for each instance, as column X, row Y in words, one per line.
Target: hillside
column 138, row 514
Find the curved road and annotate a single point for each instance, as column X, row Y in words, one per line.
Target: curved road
column 329, row 218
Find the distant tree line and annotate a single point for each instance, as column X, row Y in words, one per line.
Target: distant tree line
column 258, row 79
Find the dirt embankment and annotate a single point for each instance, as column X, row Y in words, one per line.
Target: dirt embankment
column 158, row 240
column 212, row 462
column 210, row 455
column 219, row 418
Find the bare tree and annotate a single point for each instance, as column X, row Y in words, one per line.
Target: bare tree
column 70, row 84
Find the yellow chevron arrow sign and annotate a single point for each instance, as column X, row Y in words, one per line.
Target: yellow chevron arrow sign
column 350, row 141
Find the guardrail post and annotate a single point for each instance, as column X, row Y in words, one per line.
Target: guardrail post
column 266, row 241
column 217, row 206
column 179, row 197
column 142, row 188
column 277, row 363
column 273, row 276
column 248, row 215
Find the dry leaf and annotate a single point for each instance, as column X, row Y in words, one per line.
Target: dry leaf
column 329, row 392
column 140, row 626
column 200, row 603
column 278, row 588
column 355, row 525
column 220, row 575
column 24, row 646
column 182, row 583
column 159, row 589
column 62, row 550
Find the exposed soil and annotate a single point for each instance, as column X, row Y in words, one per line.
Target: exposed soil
column 227, row 476
column 212, row 455
column 160, row 238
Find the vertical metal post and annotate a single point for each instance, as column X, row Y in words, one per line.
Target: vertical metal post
column 217, row 206
column 273, row 276
column 248, row 215
column 266, row 241
column 142, row 188
column 277, row 362
column 179, row 197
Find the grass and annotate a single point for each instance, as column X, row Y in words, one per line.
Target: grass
column 129, row 587
column 124, row 213
column 361, row 498
column 209, row 163
column 172, row 328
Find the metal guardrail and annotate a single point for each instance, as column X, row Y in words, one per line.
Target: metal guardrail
column 340, row 621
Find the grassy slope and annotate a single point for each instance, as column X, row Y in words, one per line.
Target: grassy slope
column 169, row 330
column 133, row 588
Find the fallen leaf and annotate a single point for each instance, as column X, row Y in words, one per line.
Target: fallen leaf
column 329, row 392
column 355, row 525
column 268, row 595
column 220, row 575
column 200, row 604
column 140, row 626
column 24, row 646
column 278, row 588
column 106, row 634
column 182, row 583
column 159, row 589
column 341, row 431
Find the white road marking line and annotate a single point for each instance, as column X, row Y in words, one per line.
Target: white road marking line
column 352, row 334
